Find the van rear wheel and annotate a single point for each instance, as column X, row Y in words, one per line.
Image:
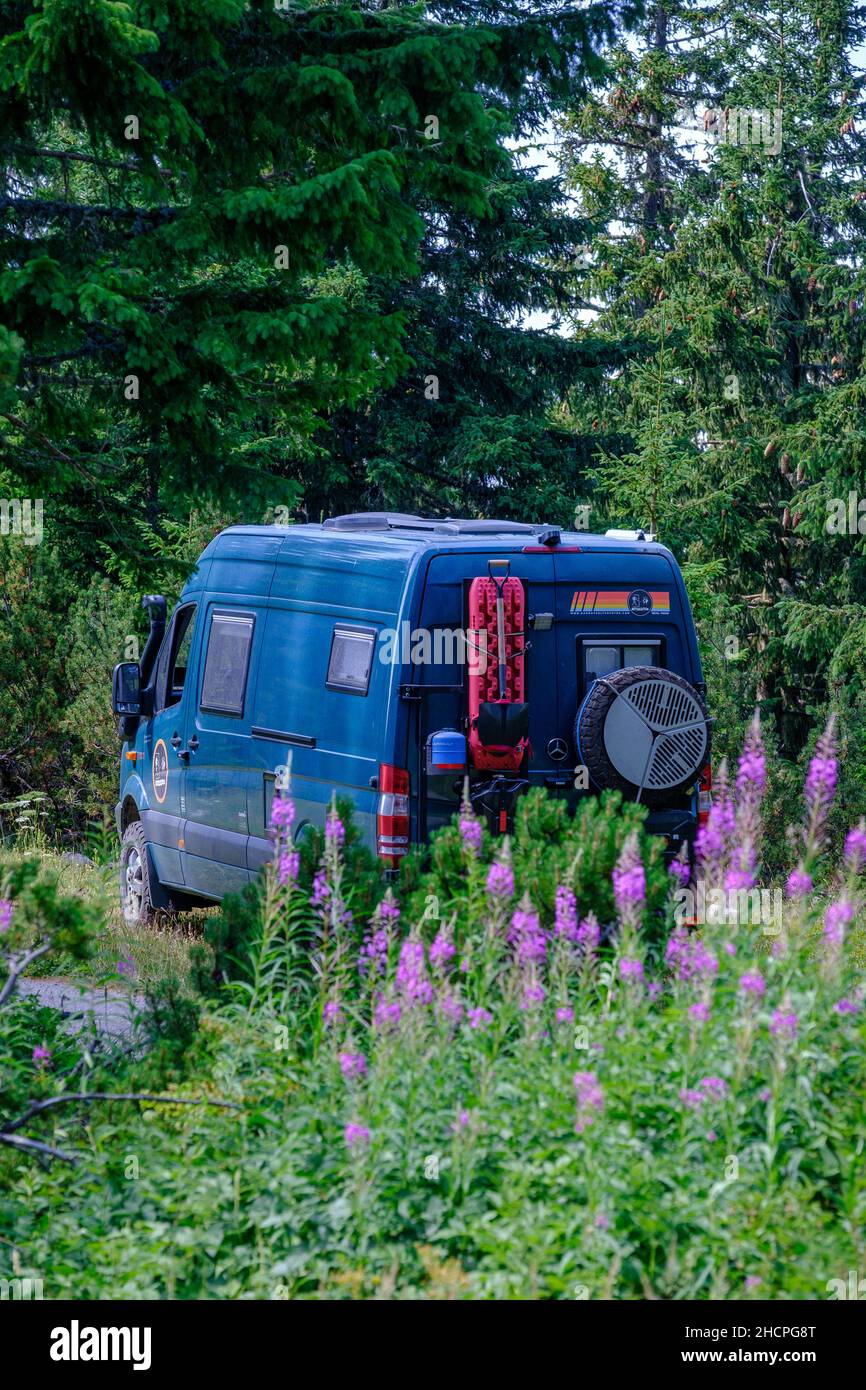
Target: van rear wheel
column 136, row 889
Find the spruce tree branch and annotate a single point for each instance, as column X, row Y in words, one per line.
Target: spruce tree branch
column 50, row 207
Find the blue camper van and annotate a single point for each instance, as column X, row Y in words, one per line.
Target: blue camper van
column 400, row 661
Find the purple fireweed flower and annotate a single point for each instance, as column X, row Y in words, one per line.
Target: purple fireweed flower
column 352, row 1063
column 602, row 1222
column 653, row 989
column 836, row 918
column 799, row 883
column 356, row 1135
column 709, row 842
column 590, row 1097
column 332, row 1013
column 321, row 889
column 387, row 1013
column 6, row 910
column 479, row 1018
column 388, row 910
column 500, row 880
column 533, row 993
column 565, row 1014
column 629, row 881
column 742, row 877
column 442, row 951
column 127, row 967
column 526, row 936
column 692, row 1100
column 855, row 847
column 688, row 957
column 282, row 813
column 412, row 982
column 846, row 1006
column 287, row 867
column 451, row 1008
column 729, row 948
column 699, row 1011
column 588, row 934
column 565, row 923
column 335, row 831
column 820, row 788
column 783, row 1025
column 753, row 982
column 470, row 831
column 630, row 969
column 714, row 1086
column 374, row 952
column 752, row 767
column 463, row 1119
column 753, row 1281
column 821, row 780
column 41, row 1056
column 680, row 871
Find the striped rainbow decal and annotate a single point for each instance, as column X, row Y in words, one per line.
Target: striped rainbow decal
column 616, row 601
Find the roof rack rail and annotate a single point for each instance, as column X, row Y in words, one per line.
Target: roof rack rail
column 405, row 521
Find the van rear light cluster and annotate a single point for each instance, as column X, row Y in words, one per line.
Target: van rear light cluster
column 705, row 793
column 392, row 815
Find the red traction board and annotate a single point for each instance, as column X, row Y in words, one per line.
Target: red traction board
column 483, row 668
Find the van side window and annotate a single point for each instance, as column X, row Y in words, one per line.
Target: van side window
column 228, row 658
column 171, row 667
column 351, row 659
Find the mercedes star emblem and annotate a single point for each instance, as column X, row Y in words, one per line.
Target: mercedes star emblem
column 557, row 749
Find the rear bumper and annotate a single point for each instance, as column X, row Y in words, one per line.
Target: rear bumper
column 678, row 826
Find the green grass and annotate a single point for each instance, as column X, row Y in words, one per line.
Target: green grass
column 158, row 953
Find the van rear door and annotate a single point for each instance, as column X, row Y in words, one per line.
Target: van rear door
column 444, row 609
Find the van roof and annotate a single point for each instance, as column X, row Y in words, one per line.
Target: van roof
column 402, row 531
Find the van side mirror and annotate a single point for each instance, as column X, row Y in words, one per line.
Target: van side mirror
column 126, row 688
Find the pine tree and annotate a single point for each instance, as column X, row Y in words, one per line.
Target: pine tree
column 212, row 219
column 742, row 267
column 473, row 424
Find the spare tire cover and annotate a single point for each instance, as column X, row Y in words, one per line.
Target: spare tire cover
column 643, row 729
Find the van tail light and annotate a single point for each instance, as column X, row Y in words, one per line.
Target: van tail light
column 392, row 814
column 705, row 793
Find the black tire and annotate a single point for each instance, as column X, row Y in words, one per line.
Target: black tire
column 675, row 761
column 141, row 901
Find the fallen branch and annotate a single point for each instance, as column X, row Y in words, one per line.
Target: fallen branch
column 41, row 1105
column 36, row 1146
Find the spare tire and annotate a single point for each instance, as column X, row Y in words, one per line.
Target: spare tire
column 643, row 730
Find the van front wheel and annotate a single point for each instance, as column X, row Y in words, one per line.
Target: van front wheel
column 136, row 890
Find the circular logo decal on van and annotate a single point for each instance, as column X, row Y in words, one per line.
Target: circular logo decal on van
column 639, row 602
column 159, row 771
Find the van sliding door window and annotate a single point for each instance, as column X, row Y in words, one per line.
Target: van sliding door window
column 228, row 659
column 351, row 659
